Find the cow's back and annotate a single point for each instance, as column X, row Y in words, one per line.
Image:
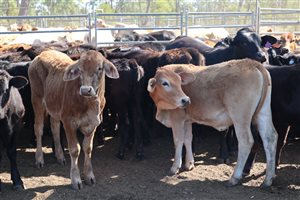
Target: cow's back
column 219, row 87
column 46, row 78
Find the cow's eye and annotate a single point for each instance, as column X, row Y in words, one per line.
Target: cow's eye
column 165, row 84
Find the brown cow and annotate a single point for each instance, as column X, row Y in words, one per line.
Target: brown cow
column 235, row 93
column 71, row 92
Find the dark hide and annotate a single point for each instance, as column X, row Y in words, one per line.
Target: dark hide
column 246, row 44
column 123, row 97
column 11, row 114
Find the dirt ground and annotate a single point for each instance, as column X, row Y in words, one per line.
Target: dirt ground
column 131, row 179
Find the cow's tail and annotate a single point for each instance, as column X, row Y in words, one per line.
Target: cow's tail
column 266, row 83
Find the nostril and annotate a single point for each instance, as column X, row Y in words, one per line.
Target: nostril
column 185, row 101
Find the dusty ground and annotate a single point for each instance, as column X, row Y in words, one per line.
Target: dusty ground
column 131, row 179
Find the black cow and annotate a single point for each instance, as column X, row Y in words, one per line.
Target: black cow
column 246, row 44
column 285, row 106
column 123, row 100
column 281, row 56
column 11, row 113
column 162, row 35
column 134, row 36
column 277, row 54
column 186, row 41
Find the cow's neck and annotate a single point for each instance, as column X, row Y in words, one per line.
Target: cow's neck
column 4, row 101
column 219, row 55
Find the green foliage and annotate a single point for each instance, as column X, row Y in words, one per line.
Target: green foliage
column 106, row 8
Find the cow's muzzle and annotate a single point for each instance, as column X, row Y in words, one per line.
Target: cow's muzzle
column 87, row 91
column 184, row 102
column 261, row 57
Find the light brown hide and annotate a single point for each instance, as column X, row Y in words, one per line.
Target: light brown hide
column 231, row 93
column 56, row 81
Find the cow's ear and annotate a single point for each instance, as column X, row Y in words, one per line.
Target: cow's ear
column 151, row 84
column 267, row 41
column 110, row 70
column 186, row 77
column 72, row 73
column 18, row 82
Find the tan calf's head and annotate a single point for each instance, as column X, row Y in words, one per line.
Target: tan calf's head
column 90, row 68
column 165, row 89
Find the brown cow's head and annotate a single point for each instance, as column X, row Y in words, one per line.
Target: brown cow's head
column 165, row 89
column 90, row 68
column 6, row 82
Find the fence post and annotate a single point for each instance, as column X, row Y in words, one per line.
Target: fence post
column 95, row 27
column 258, row 20
column 186, row 21
column 90, row 28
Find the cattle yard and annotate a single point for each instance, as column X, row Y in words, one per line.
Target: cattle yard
column 133, row 156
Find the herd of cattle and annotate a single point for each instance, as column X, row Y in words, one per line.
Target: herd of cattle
column 180, row 82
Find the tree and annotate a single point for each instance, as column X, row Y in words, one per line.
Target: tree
column 23, row 11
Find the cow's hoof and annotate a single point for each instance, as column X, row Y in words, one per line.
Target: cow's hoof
column 40, row 165
column 245, row 173
column 62, row 161
column 90, row 181
column 173, row 171
column 266, row 184
column 233, row 182
column 19, row 187
column 224, row 161
column 189, row 166
column 121, row 156
column 77, row 185
column 139, row 156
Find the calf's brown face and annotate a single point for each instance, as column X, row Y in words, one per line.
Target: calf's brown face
column 90, row 68
column 165, row 89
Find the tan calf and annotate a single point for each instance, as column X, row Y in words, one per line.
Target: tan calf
column 235, row 93
column 73, row 93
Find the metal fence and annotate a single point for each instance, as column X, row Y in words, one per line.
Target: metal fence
column 280, row 20
column 228, row 20
column 155, row 21
column 43, row 21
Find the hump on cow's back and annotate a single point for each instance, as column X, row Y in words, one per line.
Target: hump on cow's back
column 55, row 58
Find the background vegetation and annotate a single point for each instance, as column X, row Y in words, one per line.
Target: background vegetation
column 64, row 7
column 71, row 7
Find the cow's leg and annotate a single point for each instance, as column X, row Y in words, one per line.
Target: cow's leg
column 269, row 138
column 55, row 128
column 74, row 150
column 224, row 149
column 251, row 158
column 87, row 146
column 178, row 137
column 39, row 112
column 282, row 136
column 124, row 133
column 188, row 137
column 12, row 155
column 245, row 143
column 137, row 119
